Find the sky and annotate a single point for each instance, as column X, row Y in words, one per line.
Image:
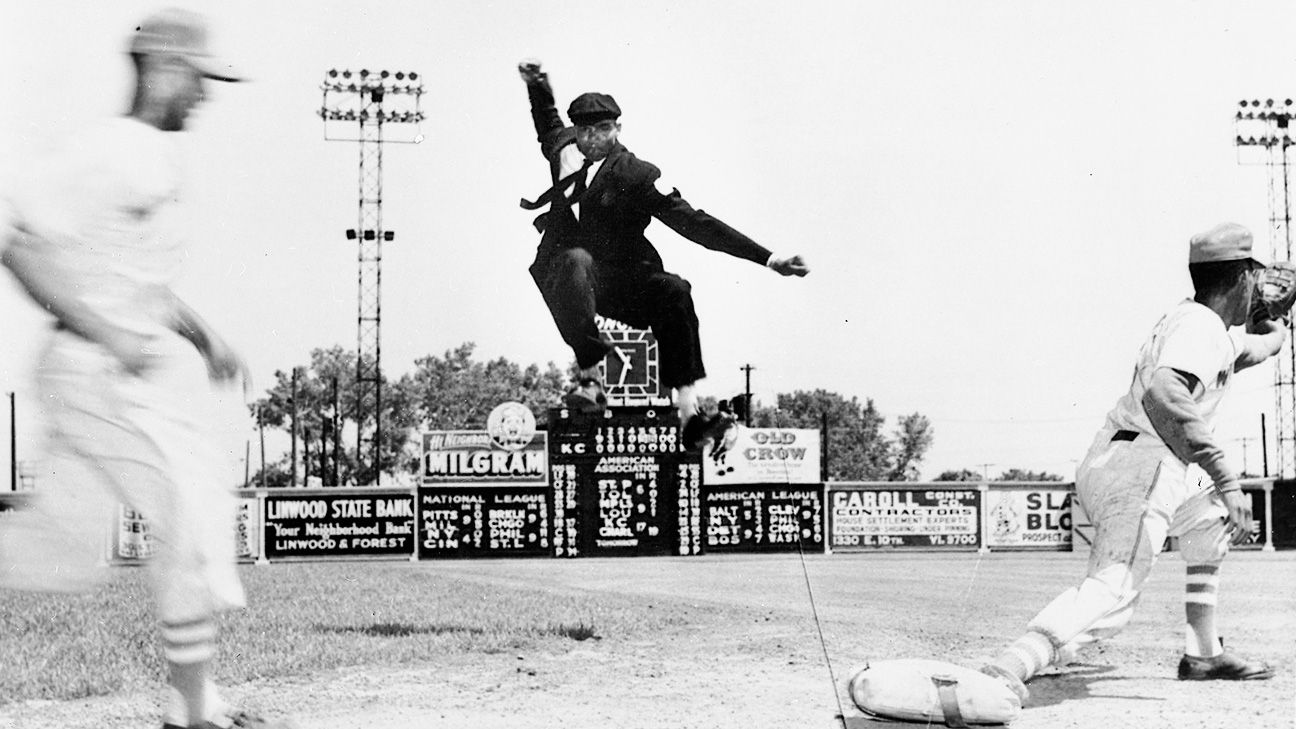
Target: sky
column 995, row 198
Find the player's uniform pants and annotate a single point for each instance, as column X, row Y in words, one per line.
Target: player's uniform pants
column 142, row 442
column 1136, row 493
column 576, row 287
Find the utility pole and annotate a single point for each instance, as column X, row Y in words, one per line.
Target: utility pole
column 13, row 443
column 823, row 436
column 1264, row 445
column 375, row 101
column 306, row 455
column 747, row 368
column 293, row 479
column 261, row 430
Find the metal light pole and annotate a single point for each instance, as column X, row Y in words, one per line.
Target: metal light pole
column 376, row 102
column 1265, row 127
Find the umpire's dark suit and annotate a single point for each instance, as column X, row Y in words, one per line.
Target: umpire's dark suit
column 603, row 263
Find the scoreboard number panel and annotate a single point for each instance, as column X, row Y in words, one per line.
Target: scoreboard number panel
column 763, row 518
column 618, row 484
column 484, row 521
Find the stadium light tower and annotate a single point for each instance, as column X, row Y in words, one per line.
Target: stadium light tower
column 371, row 108
column 1263, row 136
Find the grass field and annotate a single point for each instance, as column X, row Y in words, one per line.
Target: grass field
column 303, row 618
column 670, row 642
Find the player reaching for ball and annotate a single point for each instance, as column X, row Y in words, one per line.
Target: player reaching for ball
column 593, row 257
column 124, row 378
column 1155, row 469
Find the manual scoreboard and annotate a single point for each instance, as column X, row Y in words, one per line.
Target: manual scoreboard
column 619, row 484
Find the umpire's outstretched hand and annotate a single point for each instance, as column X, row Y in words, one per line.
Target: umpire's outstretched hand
column 790, row 266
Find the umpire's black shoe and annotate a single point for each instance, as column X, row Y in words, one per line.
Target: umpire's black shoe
column 702, row 429
column 1224, row 667
column 587, row 396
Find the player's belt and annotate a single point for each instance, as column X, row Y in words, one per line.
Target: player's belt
column 1125, row 435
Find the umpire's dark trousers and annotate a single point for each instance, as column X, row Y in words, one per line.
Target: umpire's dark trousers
column 576, row 287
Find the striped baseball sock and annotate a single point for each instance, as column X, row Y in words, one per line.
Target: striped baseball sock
column 188, row 646
column 1201, row 586
column 189, row 641
column 1027, row 656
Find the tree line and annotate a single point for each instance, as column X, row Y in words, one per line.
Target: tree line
column 457, row 391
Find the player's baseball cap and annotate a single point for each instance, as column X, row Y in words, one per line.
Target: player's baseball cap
column 1224, row 242
column 182, row 33
column 592, row 108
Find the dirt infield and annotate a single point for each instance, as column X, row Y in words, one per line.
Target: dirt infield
column 752, row 657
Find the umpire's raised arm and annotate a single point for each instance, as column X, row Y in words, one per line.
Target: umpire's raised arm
column 549, row 126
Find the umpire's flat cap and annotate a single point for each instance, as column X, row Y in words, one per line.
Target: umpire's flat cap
column 592, row 108
column 1224, row 242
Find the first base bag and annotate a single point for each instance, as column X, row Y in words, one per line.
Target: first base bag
column 933, row 691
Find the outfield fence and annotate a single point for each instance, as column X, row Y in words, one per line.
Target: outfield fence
column 509, row 520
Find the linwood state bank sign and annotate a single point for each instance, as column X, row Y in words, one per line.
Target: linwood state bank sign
column 458, row 456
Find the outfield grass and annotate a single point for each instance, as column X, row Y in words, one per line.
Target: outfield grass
column 301, row 618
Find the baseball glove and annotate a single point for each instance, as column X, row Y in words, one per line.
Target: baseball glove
column 1275, row 292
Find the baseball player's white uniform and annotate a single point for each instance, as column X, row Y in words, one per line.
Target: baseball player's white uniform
column 1137, row 492
column 108, row 205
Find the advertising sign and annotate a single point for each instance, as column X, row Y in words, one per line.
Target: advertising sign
column 1030, row 518
column 926, row 517
column 459, row 456
column 246, row 516
column 763, row 518
column 132, row 539
column 765, row 455
column 10, row 502
column 353, row 523
column 508, row 451
column 483, row 521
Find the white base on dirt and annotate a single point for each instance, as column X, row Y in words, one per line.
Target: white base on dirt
column 911, row 690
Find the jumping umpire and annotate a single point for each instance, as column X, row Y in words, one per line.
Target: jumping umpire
column 593, row 257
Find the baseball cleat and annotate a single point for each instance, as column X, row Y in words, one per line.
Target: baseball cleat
column 240, row 720
column 1066, row 655
column 1224, row 667
column 1009, row 679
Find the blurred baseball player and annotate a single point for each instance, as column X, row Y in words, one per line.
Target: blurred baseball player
column 593, row 256
column 1156, row 470
column 123, row 381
